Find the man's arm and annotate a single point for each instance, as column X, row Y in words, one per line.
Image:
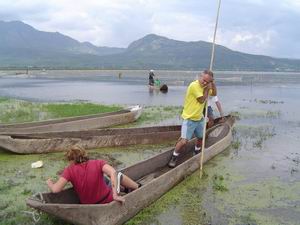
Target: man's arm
column 58, row 186
column 111, row 172
column 204, row 97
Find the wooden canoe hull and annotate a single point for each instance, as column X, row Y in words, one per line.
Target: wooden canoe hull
column 156, row 177
column 75, row 123
column 61, row 141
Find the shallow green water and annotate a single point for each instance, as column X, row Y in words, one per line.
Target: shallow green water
column 19, row 181
column 255, row 181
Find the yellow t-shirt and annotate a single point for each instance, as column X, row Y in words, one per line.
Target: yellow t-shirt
column 192, row 109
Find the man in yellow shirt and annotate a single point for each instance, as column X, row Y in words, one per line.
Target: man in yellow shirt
column 193, row 121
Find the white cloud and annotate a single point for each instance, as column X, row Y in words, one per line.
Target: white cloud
column 182, row 26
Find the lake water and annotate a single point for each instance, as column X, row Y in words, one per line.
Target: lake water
column 105, row 86
column 262, row 173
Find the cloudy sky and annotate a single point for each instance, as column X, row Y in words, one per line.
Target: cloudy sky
column 268, row 27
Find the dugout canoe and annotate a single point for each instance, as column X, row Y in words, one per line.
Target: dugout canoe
column 153, row 173
column 90, row 139
column 75, row 123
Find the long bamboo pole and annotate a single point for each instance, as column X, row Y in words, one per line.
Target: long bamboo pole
column 210, row 68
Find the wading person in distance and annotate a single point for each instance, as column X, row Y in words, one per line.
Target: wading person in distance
column 88, row 180
column 151, row 78
column 193, row 121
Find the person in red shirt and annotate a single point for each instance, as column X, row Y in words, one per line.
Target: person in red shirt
column 88, row 180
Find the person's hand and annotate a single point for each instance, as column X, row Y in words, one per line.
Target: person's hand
column 210, row 85
column 210, row 123
column 49, row 183
column 118, row 198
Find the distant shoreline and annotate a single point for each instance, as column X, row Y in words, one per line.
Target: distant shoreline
column 24, row 70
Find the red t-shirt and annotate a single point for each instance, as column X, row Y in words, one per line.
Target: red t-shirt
column 88, row 182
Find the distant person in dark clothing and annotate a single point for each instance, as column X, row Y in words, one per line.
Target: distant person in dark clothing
column 151, row 78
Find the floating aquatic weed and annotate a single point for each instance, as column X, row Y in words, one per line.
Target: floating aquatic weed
column 255, row 135
column 236, row 144
column 156, row 114
column 3, row 205
column 26, row 191
column 218, row 183
column 294, row 170
column 4, row 186
column 236, row 114
column 3, row 99
column 263, row 135
column 248, row 219
column 296, row 160
column 273, row 114
column 268, row 101
column 245, row 113
column 273, row 167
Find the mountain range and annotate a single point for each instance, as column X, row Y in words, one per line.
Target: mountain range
column 23, row 46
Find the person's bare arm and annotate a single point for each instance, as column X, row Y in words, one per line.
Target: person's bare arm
column 58, row 186
column 218, row 104
column 111, row 172
column 213, row 89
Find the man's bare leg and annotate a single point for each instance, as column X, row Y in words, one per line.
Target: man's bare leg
column 178, row 148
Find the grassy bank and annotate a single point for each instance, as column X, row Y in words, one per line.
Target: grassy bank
column 16, row 111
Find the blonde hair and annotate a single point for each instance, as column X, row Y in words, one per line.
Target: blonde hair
column 77, row 154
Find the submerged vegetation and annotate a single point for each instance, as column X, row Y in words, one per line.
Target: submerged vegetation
column 263, row 101
column 218, row 183
column 250, row 114
column 154, row 115
column 254, row 135
column 160, row 113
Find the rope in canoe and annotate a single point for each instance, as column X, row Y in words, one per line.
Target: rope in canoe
column 36, row 216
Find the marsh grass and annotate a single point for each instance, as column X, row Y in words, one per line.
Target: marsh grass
column 77, row 109
column 236, row 144
column 265, row 101
column 3, row 99
column 16, row 111
column 254, row 114
column 154, row 115
column 255, row 134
